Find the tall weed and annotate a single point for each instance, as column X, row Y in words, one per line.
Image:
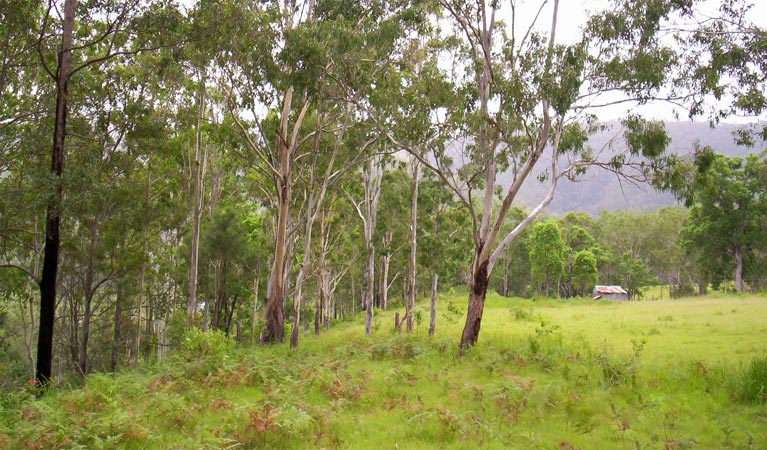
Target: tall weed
column 751, row 385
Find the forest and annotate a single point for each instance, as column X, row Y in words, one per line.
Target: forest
column 261, row 172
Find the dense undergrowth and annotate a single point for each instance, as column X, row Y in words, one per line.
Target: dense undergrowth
column 535, row 386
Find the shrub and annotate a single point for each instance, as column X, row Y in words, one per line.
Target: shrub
column 204, row 351
column 520, row 313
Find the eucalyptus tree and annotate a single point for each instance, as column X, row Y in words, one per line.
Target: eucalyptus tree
column 75, row 39
column 280, row 65
column 728, row 216
column 724, row 70
column 324, row 173
column 443, row 239
column 584, row 273
column 415, row 173
column 512, row 97
column 367, row 210
column 338, row 255
column 547, row 253
column 391, row 230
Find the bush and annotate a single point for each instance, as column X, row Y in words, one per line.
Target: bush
column 205, row 350
column 751, row 386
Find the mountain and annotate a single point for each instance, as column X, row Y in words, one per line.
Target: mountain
column 600, row 190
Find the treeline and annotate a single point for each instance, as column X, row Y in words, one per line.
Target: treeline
column 568, row 256
column 717, row 242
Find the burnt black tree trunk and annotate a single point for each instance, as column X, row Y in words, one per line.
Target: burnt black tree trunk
column 53, row 214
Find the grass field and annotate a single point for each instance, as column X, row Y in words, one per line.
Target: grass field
column 545, row 375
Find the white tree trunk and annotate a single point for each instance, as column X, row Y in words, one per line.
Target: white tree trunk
column 433, row 309
column 191, row 307
column 412, row 268
column 739, row 284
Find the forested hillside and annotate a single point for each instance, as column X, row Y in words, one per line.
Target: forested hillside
column 600, row 190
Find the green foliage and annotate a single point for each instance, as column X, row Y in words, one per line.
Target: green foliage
column 404, row 347
column 547, row 252
column 645, row 138
column 204, row 352
column 727, row 218
column 584, row 272
column 751, row 385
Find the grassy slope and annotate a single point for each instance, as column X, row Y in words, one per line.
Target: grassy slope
column 549, row 375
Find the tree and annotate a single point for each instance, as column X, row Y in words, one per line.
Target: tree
column 315, row 45
column 584, row 273
column 511, row 95
column 392, row 231
column 633, row 274
column 108, row 31
column 728, row 216
column 415, row 173
column 443, row 241
column 665, row 257
column 723, row 70
column 547, row 253
column 49, row 276
column 367, row 210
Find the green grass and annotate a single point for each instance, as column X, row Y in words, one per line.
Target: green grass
column 545, row 375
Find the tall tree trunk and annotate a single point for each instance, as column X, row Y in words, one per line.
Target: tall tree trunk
column 144, row 257
column 310, row 216
column 191, row 306
column 256, row 282
column 506, row 274
column 354, row 300
column 477, row 293
column 433, row 310
column 369, row 287
column 28, row 308
column 372, row 177
column 385, row 264
column 275, row 309
column 313, row 207
column 318, row 313
column 220, row 294
column 412, row 276
column 230, row 316
column 287, row 141
column 89, row 292
column 49, row 275
column 117, row 335
column 739, row 285
column 142, row 281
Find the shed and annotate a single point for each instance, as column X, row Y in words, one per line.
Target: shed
column 611, row 292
